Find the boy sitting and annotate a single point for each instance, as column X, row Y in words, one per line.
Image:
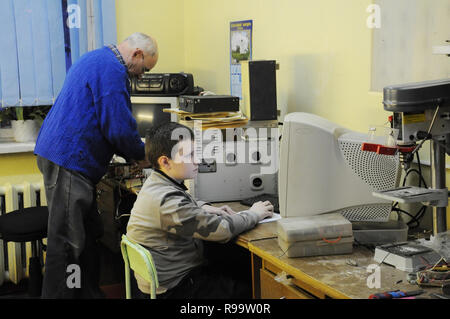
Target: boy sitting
column 172, row 225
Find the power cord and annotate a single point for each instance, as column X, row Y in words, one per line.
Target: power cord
column 415, row 219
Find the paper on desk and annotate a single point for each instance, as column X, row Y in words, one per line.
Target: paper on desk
column 274, row 218
column 218, row 120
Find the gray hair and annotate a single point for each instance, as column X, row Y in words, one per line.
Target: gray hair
column 142, row 41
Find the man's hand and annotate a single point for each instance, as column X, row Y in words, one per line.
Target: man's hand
column 263, row 209
column 223, row 210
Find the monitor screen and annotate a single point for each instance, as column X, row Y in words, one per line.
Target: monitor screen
column 149, row 115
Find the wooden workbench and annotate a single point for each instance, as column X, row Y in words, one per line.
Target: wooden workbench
column 274, row 275
column 261, row 231
column 325, row 276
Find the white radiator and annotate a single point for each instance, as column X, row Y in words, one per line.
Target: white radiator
column 14, row 257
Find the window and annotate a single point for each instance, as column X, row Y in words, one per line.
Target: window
column 40, row 41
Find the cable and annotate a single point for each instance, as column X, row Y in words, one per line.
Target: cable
column 420, row 171
column 421, row 179
column 421, row 212
column 403, row 211
column 414, row 219
column 428, row 133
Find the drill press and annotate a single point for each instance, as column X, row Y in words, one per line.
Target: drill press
column 421, row 111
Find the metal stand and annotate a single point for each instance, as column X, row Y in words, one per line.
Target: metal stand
column 436, row 196
column 438, row 182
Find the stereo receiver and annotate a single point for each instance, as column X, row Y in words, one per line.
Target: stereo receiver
column 163, row 84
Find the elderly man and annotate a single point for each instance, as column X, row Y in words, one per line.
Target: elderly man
column 90, row 121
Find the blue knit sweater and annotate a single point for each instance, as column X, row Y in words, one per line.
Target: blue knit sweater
column 91, row 119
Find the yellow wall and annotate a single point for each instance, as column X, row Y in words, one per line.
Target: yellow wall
column 164, row 20
column 18, row 164
column 323, row 48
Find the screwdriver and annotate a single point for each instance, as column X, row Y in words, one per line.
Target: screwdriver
column 395, row 294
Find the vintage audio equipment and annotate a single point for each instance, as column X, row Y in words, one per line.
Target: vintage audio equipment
column 237, row 169
column 209, row 103
column 163, row 84
column 259, row 90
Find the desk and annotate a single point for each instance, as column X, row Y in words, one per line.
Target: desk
column 310, row 277
column 316, row 277
column 261, row 231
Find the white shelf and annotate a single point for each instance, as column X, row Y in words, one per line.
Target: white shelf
column 15, row 147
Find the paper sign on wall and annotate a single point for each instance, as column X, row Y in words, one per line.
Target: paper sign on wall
column 240, row 50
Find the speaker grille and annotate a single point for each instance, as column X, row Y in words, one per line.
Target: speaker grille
column 375, row 213
column 378, row 171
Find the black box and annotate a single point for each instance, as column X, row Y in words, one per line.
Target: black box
column 209, row 103
column 163, row 84
column 259, row 90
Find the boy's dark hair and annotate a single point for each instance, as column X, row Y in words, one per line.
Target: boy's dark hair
column 159, row 141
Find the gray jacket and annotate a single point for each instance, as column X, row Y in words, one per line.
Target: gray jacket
column 171, row 225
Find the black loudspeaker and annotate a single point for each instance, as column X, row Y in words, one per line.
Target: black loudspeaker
column 259, row 90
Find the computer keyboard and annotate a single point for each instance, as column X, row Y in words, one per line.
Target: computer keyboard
column 263, row 197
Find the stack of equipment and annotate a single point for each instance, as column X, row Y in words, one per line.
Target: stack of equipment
column 209, row 103
column 327, row 234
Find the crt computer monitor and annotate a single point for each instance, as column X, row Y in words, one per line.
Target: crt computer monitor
column 148, row 111
column 323, row 170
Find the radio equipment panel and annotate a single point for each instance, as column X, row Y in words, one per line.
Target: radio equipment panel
column 163, row 84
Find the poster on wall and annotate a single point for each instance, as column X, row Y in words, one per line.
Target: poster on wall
column 240, row 50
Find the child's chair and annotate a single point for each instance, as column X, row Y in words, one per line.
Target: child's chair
column 140, row 260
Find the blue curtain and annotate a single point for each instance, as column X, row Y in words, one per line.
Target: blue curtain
column 104, row 25
column 41, row 39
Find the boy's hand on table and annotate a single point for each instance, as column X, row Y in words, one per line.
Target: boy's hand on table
column 263, row 209
column 223, row 210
